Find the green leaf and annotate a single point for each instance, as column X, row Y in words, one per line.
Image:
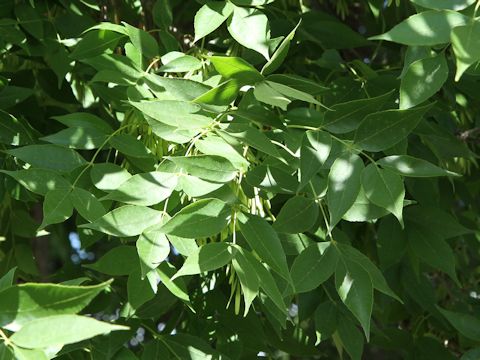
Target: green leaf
column 177, row 88
column 208, row 257
column 236, row 68
column 78, row 138
column 268, row 95
column 51, row 157
column 59, row 330
column 430, row 248
column 210, row 17
column 299, row 83
column 195, row 187
column 280, row 54
column 142, row 40
column 87, row 205
column 314, row 152
column 121, row 260
column 442, row 223
column 253, row 137
column 108, row 176
column 39, row 181
column 252, row 2
column 444, row 4
column 166, row 271
column 222, row 94
column 84, row 121
column 384, row 188
column 410, row 166
column 95, row 43
column 207, row 167
column 314, row 266
column 472, row 354
column 351, row 338
column 57, row 207
column 427, row 28
column 326, row 319
column 344, row 181
column 179, row 63
column 215, row 145
column 258, row 36
column 179, row 114
column 116, row 69
column 266, row 280
column 382, row 130
column 378, row 280
column 263, row 239
column 291, row 92
column 422, row 80
column 297, row 215
column 465, row 324
column 152, row 248
column 28, row 354
column 248, row 279
column 162, row 14
column 466, row 46
column 330, row 33
column 413, row 54
column 138, row 289
column 128, row 220
column 355, row 289
column 12, row 131
column 363, row 210
column 7, row 280
column 145, row 189
column 22, row 303
column 130, row 146
column 346, row 117
column 391, row 242
column 206, row 217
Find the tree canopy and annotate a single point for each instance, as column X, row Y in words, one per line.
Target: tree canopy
column 196, row 179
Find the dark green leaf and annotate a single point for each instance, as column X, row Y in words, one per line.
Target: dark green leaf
column 298, row 215
column 382, row 130
column 346, row 117
column 314, row 266
column 121, row 260
column 51, row 157
column 263, row 239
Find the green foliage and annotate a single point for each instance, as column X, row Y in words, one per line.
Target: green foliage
column 223, row 179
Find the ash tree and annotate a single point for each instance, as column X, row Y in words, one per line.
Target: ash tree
column 286, row 179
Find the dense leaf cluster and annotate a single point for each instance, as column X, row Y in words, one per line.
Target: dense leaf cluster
column 239, row 178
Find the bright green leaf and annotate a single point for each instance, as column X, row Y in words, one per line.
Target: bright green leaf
column 427, row 28
column 422, row 80
column 343, row 185
column 206, row 217
column 58, row 330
